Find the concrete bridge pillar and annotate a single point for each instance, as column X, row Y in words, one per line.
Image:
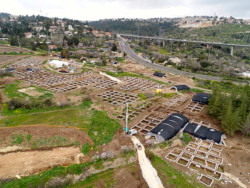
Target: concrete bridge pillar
column 163, row 43
column 171, row 47
column 232, row 51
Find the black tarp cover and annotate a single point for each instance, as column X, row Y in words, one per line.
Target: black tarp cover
column 180, row 87
column 159, row 74
column 201, row 132
column 190, row 128
column 201, row 98
column 168, row 128
column 214, row 135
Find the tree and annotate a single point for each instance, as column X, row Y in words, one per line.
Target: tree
column 65, row 53
column 215, row 104
column 104, row 62
column 245, row 127
column 195, row 66
column 230, row 122
column 114, row 47
column 75, row 41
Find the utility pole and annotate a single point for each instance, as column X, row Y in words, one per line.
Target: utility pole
column 171, row 47
column 126, row 126
column 19, row 44
column 48, row 45
column 138, row 32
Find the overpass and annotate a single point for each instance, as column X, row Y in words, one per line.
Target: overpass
column 124, row 46
column 187, row 41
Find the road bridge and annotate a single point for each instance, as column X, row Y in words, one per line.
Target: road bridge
column 187, row 41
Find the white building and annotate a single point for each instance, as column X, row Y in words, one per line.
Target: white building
column 58, row 64
column 70, row 28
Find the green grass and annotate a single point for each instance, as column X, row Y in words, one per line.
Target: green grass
column 194, row 90
column 170, row 176
column 163, row 51
column 86, row 148
column 105, row 177
column 100, row 127
column 142, row 96
column 28, row 137
column 3, row 42
column 40, row 179
column 16, row 53
column 164, row 144
column 6, row 65
column 17, row 139
column 50, row 142
column 187, row 138
column 120, row 59
column 11, row 90
column 226, row 86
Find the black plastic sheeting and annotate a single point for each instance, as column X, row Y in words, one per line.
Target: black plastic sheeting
column 180, row 87
column 168, row 128
column 159, row 74
column 190, row 128
column 215, row 135
column 29, row 69
column 204, row 133
column 9, row 70
column 201, row 132
column 201, row 98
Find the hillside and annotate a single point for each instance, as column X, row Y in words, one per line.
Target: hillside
column 204, row 29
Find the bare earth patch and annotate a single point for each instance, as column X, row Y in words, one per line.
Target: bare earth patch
column 30, row 162
column 31, row 91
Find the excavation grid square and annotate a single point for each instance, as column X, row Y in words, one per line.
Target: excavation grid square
column 117, row 98
column 175, row 101
column 134, row 112
column 148, row 123
column 194, row 107
column 47, row 79
column 200, row 156
column 140, row 84
column 201, row 123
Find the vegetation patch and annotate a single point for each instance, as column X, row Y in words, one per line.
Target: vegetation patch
column 142, row 96
column 86, row 148
column 232, row 107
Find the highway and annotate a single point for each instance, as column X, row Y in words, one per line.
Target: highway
column 183, row 40
column 124, row 46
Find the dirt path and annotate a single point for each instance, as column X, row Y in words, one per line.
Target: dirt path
column 148, row 171
column 235, row 179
